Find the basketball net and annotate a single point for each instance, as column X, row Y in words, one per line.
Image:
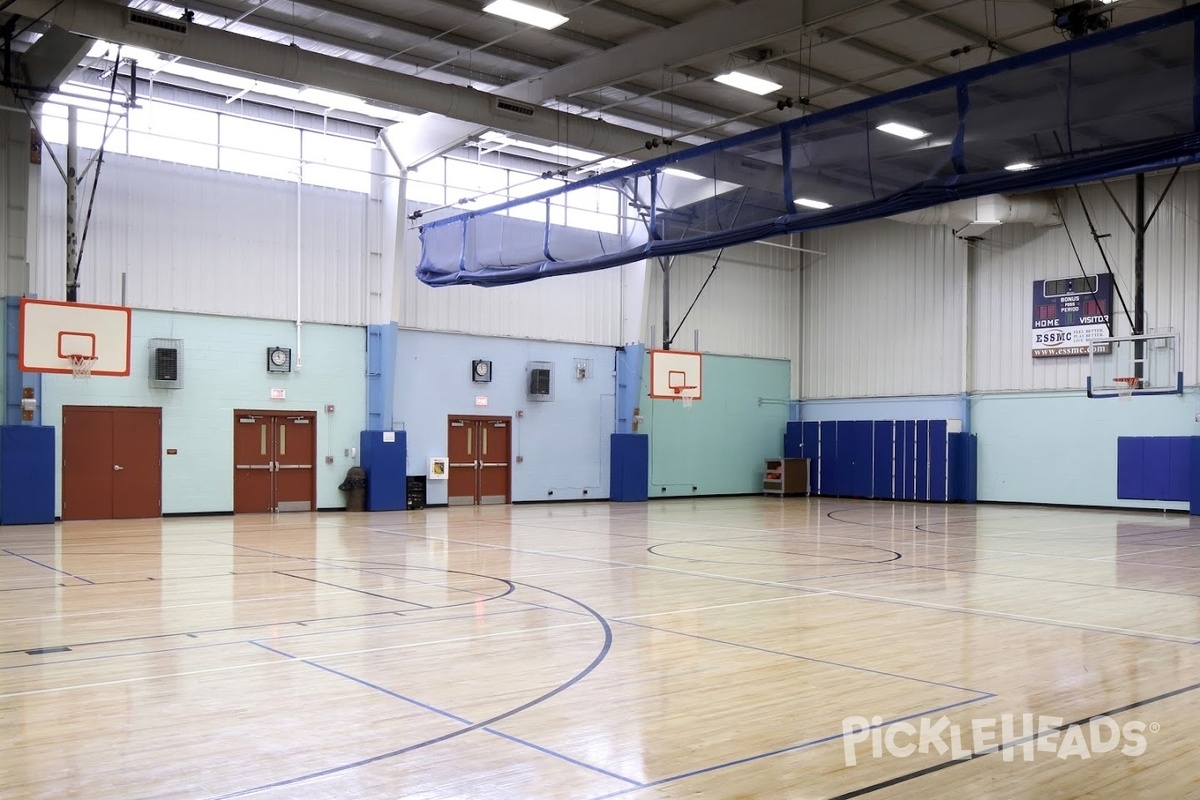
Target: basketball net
column 81, row 366
column 686, row 398
column 1125, row 387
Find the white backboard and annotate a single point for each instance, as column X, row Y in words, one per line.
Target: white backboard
column 51, row 331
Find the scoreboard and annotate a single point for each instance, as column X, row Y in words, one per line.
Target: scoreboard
column 1069, row 313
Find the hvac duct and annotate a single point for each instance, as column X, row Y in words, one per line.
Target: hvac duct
column 974, row 217
column 290, row 63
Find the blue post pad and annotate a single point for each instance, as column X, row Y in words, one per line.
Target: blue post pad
column 26, row 474
column 384, row 456
column 629, row 468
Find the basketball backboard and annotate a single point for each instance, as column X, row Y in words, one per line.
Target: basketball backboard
column 52, row 331
column 675, row 375
column 1134, row 365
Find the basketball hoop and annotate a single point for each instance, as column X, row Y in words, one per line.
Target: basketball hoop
column 1125, row 387
column 686, row 398
column 81, row 366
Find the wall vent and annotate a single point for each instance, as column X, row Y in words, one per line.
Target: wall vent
column 513, row 108
column 166, row 364
column 540, row 385
column 141, row 19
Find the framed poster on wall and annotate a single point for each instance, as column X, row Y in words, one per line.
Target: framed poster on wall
column 439, row 468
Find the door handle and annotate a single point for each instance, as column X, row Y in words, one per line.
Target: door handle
column 117, row 467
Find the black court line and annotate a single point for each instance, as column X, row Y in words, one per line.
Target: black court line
column 982, row 694
column 449, row 715
column 583, row 673
column 1047, row 580
column 351, row 589
column 654, row 549
column 789, row 749
column 921, row 773
column 45, row 566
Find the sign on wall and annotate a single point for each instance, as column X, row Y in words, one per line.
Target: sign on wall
column 1068, row 313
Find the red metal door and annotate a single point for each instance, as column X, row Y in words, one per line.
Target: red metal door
column 478, row 448
column 111, row 463
column 137, row 463
column 273, row 461
column 462, row 440
column 253, row 462
column 295, row 471
column 493, row 461
column 87, row 463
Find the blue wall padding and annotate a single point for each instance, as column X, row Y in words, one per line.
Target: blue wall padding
column 891, row 460
column 26, row 474
column 921, row 462
column 793, row 440
column 882, row 483
column 937, row 460
column 1194, row 484
column 386, row 465
column 1154, row 467
column 629, row 467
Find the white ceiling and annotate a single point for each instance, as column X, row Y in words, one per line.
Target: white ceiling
column 610, row 79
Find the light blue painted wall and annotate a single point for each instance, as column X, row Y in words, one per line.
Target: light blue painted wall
column 561, row 446
column 883, row 408
column 224, row 368
column 718, row 445
column 1061, row 448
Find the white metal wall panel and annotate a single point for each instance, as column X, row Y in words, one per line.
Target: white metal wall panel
column 751, row 306
column 1014, row 256
column 883, row 311
column 582, row 308
column 201, row 240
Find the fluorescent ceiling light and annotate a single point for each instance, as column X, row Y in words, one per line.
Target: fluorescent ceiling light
column 807, row 203
column 748, row 83
column 1020, row 166
column 903, row 131
column 683, row 173
column 522, row 12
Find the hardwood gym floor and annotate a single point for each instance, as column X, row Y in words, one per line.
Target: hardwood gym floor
column 716, row 648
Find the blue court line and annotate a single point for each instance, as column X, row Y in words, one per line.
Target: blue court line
column 814, row 660
column 46, row 566
column 450, row 715
column 352, row 589
column 790, row 748
column 583, row 673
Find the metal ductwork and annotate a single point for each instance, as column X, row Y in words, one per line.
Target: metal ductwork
column 219, row 48
column 972, row 218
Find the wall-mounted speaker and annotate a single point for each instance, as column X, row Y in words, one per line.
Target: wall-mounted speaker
column 166, row 364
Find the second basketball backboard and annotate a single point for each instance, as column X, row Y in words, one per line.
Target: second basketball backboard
column 675, row 375
column 51, row 332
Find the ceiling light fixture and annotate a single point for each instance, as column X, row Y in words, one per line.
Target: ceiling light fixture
column 903, row 131
column 1020, row 166
column 682, row 173
column 523, row 12
column 748, row 83
column 820, row 205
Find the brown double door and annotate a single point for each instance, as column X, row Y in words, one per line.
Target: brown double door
column 480, row 451
column 274, row 467
column 111, row 462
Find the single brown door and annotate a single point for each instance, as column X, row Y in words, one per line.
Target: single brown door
column 111, row 463
column 273, row 461
column 253, row 463
column 295, row 451
column 493, row 461
column 478, row 449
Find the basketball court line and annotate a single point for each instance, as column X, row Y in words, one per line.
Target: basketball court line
column 1050, row 580
column 627, row 617
column 353, row 590
column 790, row 748
column 874, row 598
column 452, row 716
column 887, row 784
column 982, row 694
column 6, row 551
column 596, row 661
